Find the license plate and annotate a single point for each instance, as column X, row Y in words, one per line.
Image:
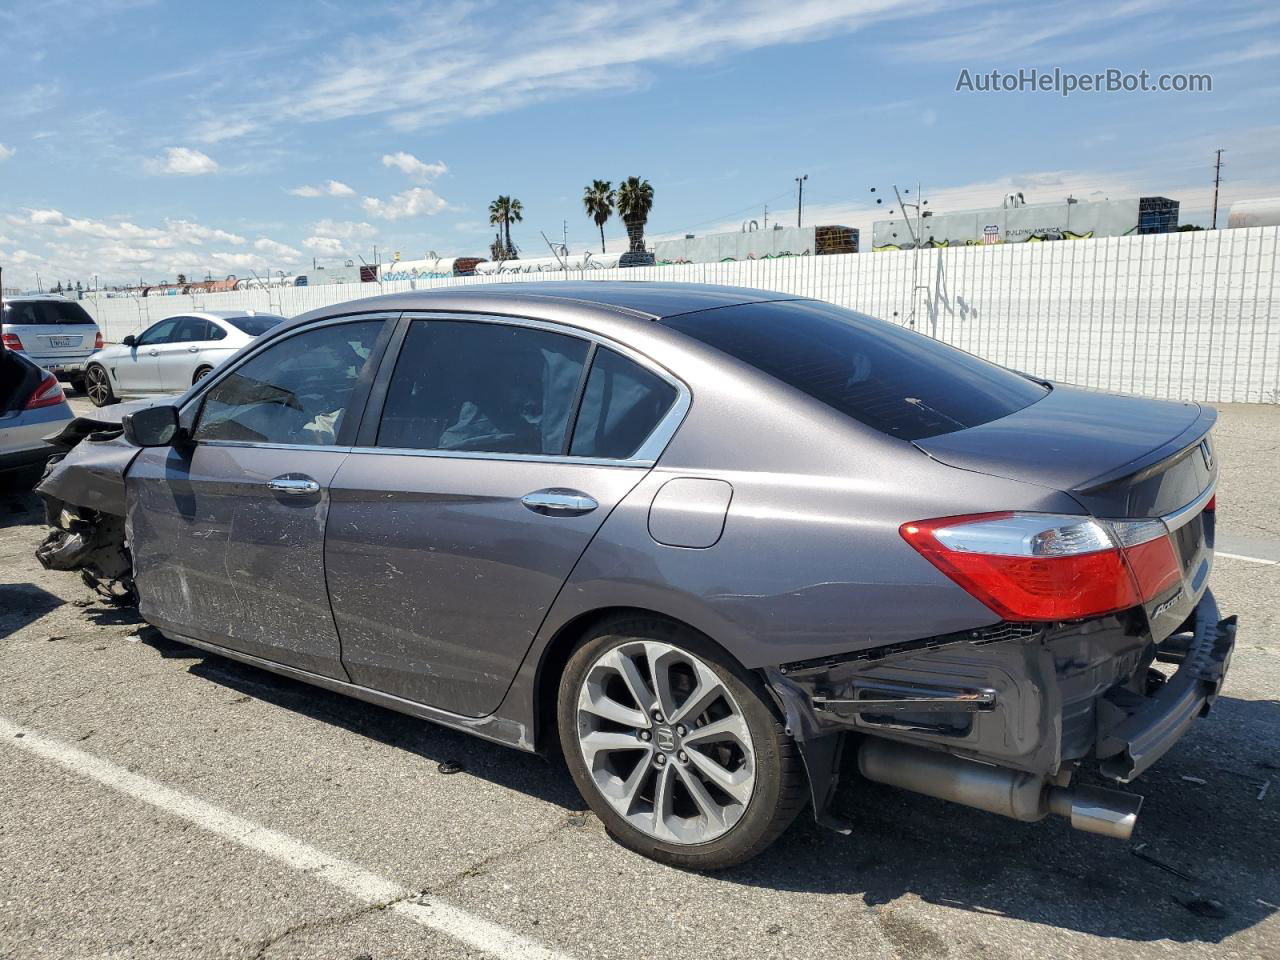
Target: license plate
column 62, row 341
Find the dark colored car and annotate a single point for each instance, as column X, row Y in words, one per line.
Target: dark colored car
column 32, row 406
column 700, row 539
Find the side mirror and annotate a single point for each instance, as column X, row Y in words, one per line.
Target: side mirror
column 130, row 340
column 152, row 426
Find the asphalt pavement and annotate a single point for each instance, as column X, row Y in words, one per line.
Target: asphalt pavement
column 157, row 801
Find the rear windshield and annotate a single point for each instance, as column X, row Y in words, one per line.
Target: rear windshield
column 44, row 313
column 894, row 380
column 256, row 325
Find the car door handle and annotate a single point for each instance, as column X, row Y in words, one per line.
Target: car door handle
column 557, row 502
column 193, row 349
column 293, row 485
column 153, row 353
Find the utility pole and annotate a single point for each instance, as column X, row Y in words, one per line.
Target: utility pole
column 1217, row 181
column 800, row 202
column 766, row 216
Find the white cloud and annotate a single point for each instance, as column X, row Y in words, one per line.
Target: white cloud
column 409, row 164
column 415, row 202
column 335, row 238
column 59, row 245
column 182, row 161
column 43, row 217
column 195, row 233
column 345, row 229
column 6, row 152
column 330, row 188
column 217, row 130
column 325, row 246
column 464, row 67
column 275, row 250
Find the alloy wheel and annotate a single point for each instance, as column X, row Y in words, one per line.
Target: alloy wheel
column 97, row 386
column 665, row 742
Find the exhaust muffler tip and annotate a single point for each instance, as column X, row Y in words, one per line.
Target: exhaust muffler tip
column 1108, row 813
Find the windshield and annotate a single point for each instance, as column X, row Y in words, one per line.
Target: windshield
column 44, row 313
column 894, row 380
column 256, row 325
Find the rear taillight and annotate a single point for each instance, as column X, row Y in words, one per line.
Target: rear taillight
column 11, row 340
column 97, row 341
column 1036, row 566
column 47, row 394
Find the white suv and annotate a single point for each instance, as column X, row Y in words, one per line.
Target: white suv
column 52, row 331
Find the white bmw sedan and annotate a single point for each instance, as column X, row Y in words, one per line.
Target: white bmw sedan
column 171, row 355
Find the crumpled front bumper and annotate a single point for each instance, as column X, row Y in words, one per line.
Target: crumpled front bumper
column 1145, row 728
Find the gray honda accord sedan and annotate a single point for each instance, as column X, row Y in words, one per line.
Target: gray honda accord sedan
column 700, row 540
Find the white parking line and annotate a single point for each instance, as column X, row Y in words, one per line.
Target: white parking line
column 431, row 912
column 1240, row 556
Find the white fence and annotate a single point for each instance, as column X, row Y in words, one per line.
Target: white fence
column 1185, row 316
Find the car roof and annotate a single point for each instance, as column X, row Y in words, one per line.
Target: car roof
column 218, row 314
column 234, row 314
column 28, row 297
column 641, row 299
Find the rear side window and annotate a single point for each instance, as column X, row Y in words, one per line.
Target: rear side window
column 45, row 313
column 482, row 387
column 622, row 404
column 894, row 380
column 190, row 330
column 256, row 325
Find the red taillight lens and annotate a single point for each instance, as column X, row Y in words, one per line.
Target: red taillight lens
column 12, row 341
column 47, row 394
column 1212, row 505
column 1032, row 566
column 97, row 341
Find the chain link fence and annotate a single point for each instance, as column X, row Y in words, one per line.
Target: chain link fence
column 1182, row 316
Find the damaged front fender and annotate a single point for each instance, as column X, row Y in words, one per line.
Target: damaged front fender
column 84, row 497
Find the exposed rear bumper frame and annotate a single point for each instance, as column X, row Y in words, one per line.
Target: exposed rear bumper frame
column 1141, row 735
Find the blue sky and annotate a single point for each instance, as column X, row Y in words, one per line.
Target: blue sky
column 142, row 139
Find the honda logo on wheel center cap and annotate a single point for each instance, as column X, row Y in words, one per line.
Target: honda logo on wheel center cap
column 665, row 738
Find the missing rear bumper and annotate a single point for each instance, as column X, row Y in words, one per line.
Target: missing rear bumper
column 1136, row 732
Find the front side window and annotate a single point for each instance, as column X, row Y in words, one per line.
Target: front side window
column 622, row 404
column 297, row 391
column 161, row 332
column 482, row 387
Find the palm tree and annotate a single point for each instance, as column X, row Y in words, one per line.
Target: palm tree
column 503, row 212
column 598, row 199
column 635, row 200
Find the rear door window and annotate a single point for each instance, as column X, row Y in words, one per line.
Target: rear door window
column 892, row 379
column 482, row 387
column 621, row 405
column 191, row 330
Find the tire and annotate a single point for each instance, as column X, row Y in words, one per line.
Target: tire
column 98, row 386
column 201, row 373
column 77, row 384
column 728, row 794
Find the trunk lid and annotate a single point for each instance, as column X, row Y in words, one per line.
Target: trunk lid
column 1120, row 457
